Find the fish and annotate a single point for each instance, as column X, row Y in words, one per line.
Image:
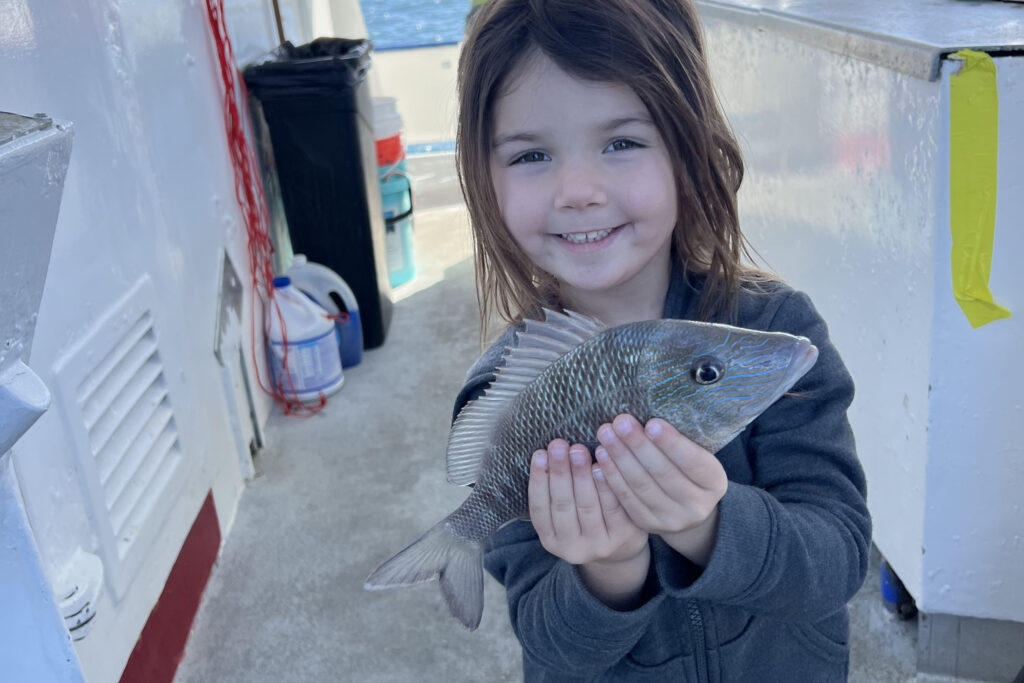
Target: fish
column 565, row 376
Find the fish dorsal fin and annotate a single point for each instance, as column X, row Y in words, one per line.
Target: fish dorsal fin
column 538, row 345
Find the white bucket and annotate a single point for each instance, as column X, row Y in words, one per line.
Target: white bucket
column 387, row 132
column 314, row 364
column 387, row 122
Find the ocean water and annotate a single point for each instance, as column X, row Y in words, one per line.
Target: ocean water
column 404, row 23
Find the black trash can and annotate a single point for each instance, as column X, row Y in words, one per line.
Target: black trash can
column 317, row 107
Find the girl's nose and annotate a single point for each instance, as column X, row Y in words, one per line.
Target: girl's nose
column 580, row 186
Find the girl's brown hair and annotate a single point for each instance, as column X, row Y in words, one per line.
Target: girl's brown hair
column 653, row 46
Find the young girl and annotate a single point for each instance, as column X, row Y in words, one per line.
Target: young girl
column 601, row 177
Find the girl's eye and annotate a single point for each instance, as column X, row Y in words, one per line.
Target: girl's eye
column 621, row 144
column 531, row 157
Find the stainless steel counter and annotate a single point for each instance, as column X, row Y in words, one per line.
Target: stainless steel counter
column 909, row 36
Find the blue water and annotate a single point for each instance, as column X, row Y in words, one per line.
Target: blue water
column 404, row 23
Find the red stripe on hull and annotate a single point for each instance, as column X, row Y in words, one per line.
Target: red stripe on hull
column 161, row 644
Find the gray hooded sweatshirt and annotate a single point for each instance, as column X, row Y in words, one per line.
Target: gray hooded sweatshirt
column 791, row 549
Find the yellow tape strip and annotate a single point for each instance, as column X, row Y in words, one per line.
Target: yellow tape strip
column 973, row 158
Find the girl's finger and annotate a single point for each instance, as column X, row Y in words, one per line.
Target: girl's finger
column 632, row 470
column 563, row 501
column 588, row 506
column 624, row 494
column 539, row 498
column 697, row 464
column 657, row 463
column 628, row 430
column 613, row 512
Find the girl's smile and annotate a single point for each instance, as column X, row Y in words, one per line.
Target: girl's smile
column 594, row 239
column 583, row 237
column 586, row 188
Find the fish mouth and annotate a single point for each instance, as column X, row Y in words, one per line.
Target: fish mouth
column 805, row 355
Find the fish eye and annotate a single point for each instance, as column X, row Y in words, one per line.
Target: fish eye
column 707, row 370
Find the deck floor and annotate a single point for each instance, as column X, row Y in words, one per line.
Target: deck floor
column 338, row 492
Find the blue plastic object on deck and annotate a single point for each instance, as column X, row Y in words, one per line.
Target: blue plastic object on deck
column 329, row 290
column 895, row 596
column 396, row 201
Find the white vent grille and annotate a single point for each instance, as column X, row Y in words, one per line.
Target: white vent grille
column 131, row 428
column 117, row 398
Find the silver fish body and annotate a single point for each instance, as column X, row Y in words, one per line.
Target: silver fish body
column 565, row 377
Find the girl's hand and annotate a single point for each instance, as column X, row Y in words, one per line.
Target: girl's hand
column 666, row 483
column 573, row 511
column 579, row 519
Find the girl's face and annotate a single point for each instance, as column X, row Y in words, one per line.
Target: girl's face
column 585, row 187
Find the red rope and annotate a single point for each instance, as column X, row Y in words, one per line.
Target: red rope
column 253, row 205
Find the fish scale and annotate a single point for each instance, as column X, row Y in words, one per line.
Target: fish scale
column 565, row 377
column 500, row 495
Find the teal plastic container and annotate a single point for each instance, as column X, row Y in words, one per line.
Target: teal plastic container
column 396, row 200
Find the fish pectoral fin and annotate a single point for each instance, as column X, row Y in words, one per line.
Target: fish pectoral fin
column 541, row 343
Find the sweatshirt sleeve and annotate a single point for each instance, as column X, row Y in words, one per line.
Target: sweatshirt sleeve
column 560, row 625
column 794, row 544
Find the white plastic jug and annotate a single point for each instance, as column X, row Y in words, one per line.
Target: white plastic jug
column 314, row 363
column 327, row 288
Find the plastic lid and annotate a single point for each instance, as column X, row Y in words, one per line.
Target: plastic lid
column 282, row 281
column 298, row 260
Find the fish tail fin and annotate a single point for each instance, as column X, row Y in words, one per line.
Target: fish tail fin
column 439, row 554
